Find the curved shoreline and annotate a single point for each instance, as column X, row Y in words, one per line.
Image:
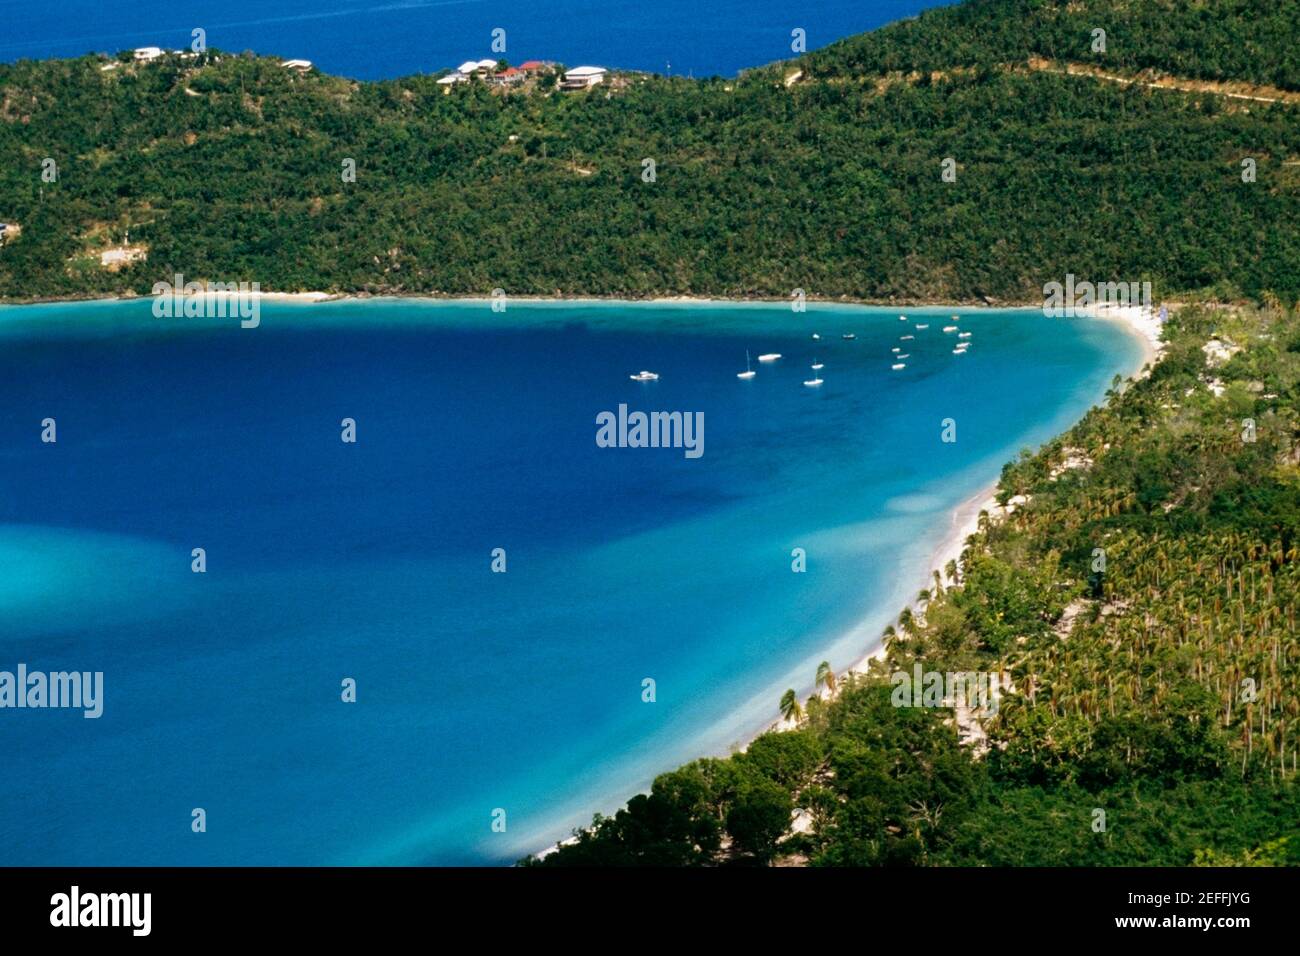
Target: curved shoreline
column 1137, row 322
column 963, row 521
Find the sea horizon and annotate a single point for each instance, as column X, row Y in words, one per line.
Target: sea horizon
column 390, row 40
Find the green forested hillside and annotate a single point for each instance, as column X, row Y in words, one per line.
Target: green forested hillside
column 229, row 168
column 1206, row 39
column 1161, row 691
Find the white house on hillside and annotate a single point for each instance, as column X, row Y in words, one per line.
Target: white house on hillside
column 148, row 52
column 582, row 77
column 479, row 68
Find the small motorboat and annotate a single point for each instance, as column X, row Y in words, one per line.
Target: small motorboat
column 769, row 356
column 904, row 338
column 950, row 328
column 923, row 326
column 848, row 336
column 644, row 376
column 963, row 335
column 897, row 365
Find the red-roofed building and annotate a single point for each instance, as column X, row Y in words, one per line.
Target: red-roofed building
column 529, row 66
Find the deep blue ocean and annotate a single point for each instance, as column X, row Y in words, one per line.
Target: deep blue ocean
column 391, row 38
column 326, row 560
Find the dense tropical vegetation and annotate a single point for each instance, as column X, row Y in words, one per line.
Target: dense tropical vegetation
column 1218, row 40
column 1161, row 691
column 230, row 168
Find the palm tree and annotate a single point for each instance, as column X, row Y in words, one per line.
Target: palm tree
column 906, row 620
column 790, row 708
column 825, row 676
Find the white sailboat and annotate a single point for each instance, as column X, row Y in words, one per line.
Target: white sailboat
column 748, row 372
column 813, row 382
column 769, row 356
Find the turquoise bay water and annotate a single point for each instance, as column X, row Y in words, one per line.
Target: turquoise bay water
column 476, row 430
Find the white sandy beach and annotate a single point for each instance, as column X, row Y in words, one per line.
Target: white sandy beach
column 1139, row 322
column 256, row 294
column 962, row 523
column 1142, row 322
